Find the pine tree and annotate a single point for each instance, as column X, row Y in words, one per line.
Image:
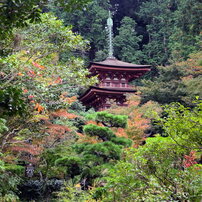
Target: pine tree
column 126, row 43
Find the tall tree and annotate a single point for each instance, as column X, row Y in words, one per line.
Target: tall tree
column 16, row 13
column 186, row 35
column 158, row 17
column 90, row 23
column 126, row 43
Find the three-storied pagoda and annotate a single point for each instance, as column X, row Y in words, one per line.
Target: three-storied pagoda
column 114, row 77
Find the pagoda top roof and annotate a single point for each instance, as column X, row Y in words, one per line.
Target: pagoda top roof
column 113, row 62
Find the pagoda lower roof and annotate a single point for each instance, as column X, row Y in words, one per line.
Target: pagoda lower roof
column 113, row 62
column 92, row 91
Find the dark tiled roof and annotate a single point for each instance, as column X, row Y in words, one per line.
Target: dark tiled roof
column 105, row 90
column 117, row 63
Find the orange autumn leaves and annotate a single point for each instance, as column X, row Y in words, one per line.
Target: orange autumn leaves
column 135, row 129
column 38, row 65
column 193, row 65
column 33, row 150
column 54, row 80
column 69, row 100
column 32, row 72
column 39, row 76
column 138, row 122
column 51, row 134
column 39, row 108
column 63, row 113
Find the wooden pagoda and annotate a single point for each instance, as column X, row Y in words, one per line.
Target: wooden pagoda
column 114, row 77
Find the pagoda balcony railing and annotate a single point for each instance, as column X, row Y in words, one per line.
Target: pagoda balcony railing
column 116, row 86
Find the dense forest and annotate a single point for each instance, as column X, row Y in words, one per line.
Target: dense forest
column 52, row 148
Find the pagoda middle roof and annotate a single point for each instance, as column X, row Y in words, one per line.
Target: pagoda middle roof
column 93, row 90
column 113, row 62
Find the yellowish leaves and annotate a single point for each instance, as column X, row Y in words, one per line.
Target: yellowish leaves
column 77, row 185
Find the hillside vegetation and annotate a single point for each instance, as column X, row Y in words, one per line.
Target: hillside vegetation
column 54, row 149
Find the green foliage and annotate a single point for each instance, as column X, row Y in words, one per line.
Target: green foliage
column 9, row 181
column 166, row 87
column 187, row 125
column 36, row 66
column 90, row 161
column 58, row 160
column 56, row 40
column 193, row 88
column 72, row 164
column 70, row 193
column 90, row 23
column 42, row 63
column 104, row 151
column 56, row 33
column 103, row 133
column 158, row 17
column 186, row 35
column 39, row 189
column 126, row 43
column 173, row 29
column 122, row 141
column 16, row 13
column 11, row 101
column 79, row 148
column 71, row 5
column 150, row 32
column 179, row 82
column 99, row 157
column 152, row 173
column 157, row 171
column 3, row 127
column 111, row 120
column 91, row 116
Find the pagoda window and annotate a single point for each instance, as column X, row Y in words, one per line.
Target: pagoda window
column 108, row 102
column 123, row 85
column 107, row 83
column 116, row 84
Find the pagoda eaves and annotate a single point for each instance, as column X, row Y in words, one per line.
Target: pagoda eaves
column 114, row 77
column 113, row 62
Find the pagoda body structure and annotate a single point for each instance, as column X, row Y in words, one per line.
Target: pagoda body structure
column 114, row 77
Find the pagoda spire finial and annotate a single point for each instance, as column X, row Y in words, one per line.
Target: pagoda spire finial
column 110, row 27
